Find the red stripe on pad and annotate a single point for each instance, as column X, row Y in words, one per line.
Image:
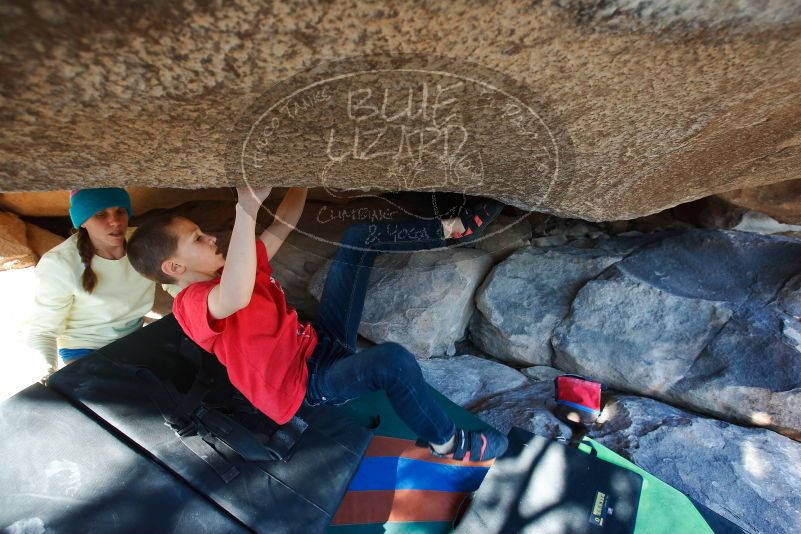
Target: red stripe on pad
column 363, row 507
column 404, row 448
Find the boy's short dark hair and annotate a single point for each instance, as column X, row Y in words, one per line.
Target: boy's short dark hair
column 150, row 245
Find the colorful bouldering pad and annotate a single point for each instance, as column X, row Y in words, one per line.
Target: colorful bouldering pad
column 400, row 487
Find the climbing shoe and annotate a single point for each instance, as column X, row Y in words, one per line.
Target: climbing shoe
column 475, row 220
column 475, row 445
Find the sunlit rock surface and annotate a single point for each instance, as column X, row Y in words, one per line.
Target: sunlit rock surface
column 422, row 300
column 594, row 110
column 15, row 252
column 701, row 319
column 750, row 476
column 525, row 297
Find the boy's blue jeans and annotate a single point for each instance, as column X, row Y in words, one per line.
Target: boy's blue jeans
column 337, row 373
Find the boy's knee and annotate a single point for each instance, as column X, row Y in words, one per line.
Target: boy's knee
column 392, row 347
column 398, row 357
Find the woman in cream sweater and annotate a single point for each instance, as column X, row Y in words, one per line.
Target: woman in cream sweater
column 87, row 293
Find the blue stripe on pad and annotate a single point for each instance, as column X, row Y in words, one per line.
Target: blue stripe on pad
column 578, row 406
column 388, row 473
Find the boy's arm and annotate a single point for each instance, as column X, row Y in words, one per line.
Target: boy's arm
column 286, row 217
column 239, row 276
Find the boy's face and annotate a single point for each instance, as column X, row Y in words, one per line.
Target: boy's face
column 196, row 252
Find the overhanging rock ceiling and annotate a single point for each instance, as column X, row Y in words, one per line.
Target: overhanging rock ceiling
column 566, row 107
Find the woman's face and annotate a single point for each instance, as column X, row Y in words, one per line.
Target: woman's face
column 107, row 228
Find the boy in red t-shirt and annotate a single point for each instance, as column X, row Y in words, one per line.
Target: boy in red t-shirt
column 240, row 314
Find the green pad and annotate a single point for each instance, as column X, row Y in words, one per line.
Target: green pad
column 663, row 509
column 374, row 409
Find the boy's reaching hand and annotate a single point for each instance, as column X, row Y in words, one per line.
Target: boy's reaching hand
column 239, row 276
column 251, row 198
column 287, row 216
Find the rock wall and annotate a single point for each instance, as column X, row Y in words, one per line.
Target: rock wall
column 645, row 103
column 781, row 201
column 748, row 475
column 57, row 203
column 22, row 243
column 700, row 319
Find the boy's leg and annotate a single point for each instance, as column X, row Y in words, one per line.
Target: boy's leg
column 342, row 301
column 345, row 287
column 387, row 366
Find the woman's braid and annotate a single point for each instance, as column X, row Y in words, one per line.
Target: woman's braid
column 87, row 251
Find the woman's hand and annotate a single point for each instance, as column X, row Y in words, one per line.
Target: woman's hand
column 251, row 198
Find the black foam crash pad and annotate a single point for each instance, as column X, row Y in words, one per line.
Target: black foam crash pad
column 298, row 494
column 62, row 472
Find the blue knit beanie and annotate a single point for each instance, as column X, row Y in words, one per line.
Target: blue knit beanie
column 86, row 202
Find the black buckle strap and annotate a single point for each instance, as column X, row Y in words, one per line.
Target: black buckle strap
column 208, row 432
column 235, row 436
column 284, row 438
column 185, row 427
column 209, row 454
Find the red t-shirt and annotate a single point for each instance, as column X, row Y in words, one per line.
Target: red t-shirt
column 263, row 346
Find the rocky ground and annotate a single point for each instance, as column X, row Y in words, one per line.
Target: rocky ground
column 692, row 324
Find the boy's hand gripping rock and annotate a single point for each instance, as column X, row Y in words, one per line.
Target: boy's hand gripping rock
column 251, row 198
